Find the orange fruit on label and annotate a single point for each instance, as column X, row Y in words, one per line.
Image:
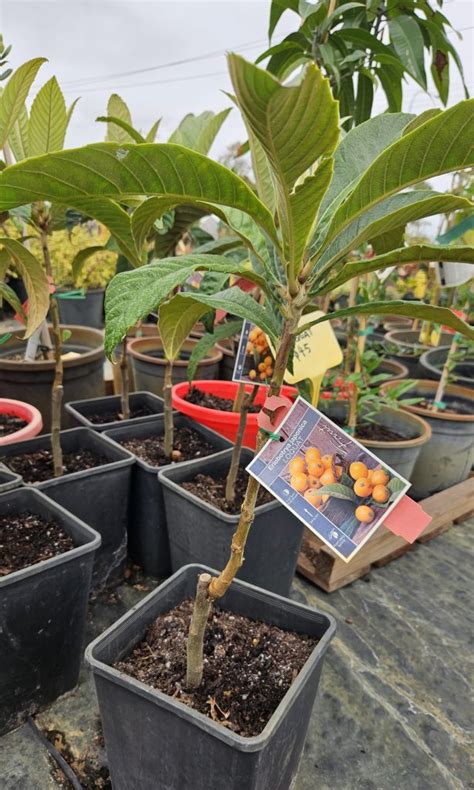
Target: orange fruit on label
column 312, row 454
column 316, row 468
column 297, row 464
column 357, row 470
column 362, row 487
column 312, row 496
column 314, row 482
column 327, row 460
column 328, row 478
column 380, row 477
column 364, row 513
column 381, row 494
column 299, row 481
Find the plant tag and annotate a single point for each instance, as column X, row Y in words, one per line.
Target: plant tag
column 316, row 350
column 254, row 360
column 407, row 520
column 338, row 488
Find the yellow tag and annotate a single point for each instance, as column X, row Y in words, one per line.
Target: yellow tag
column 316, row 350
column 315, row 388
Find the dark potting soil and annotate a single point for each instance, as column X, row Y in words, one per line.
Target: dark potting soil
column 209, row 401
column 248, row 665
column 373, row 431
column 9, row 424
column 212, row 490
column 38, row 466
column 453, row 406
column 26, row 539
column 187, row 445
column 114, row 415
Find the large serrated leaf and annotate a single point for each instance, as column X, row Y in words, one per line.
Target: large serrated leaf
column 18, row 138
column 407, row 40
column 48, row 120
column 117, row 108
column 175, row 321
column 198, row 132
column 13, row 97
column 35, row 280
column 200, row 350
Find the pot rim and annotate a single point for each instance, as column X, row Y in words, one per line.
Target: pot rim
column 160, row 699
column 213, row 355
column 26, row 411
column 92, row 544
column 231, row 417
column 452, row 389
column 424, row 437
column 91, row 355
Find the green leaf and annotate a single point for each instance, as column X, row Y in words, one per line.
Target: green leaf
column 339, row 491
column 457, row 231
column 82, row 256
column 278, row 7
column 198, row 132
column 204, row 345
column 115, row 218
column 117, row 108
column 364, row 98
column 35, row 280
column 13, row 97
column 48, row 120
column 113, row 172
column 134, row 294
column 391, row 82
column 175, row 321
column 440, row 145
column 219, row 246
column 427, row 312
column 184, row 218
column 9, row 295
column 414, row 254
column 18, row 138
column 295, row 126
column 407, row 39
column 70, row 111
column 389, row 214
column 150, row 137
column 126, row 127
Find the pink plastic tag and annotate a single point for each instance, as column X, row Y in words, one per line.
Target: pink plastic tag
column 278, row 406
column 407, row 520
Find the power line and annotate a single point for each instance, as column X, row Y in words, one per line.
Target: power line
column 152, row 82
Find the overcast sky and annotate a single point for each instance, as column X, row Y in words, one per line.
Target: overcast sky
column 85, row 41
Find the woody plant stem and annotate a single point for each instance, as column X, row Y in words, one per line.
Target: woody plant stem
column 208, row 590
column 168, row 408
column 57, row 390
column 125, row 384
column 235, row 460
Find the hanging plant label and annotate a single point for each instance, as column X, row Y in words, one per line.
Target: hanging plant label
column 254, row 360
column 338, row 488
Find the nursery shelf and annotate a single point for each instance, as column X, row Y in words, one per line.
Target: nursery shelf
column 322, row 567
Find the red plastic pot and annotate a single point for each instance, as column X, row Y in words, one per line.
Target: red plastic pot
column 224, row 422
column 24, row 411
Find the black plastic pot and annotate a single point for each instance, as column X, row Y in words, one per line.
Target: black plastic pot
column 433, row 361
column 32, row 381
column 80, row 410
column 8, row 480
column 149, row 363
column 404, row 346
column 148, row 544
column 227, row 363
column 97, row 496
column 199, row 532
column 155, row 742
column 85, row 311
column 43, row 615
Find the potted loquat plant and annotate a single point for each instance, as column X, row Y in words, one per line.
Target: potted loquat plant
column 329, row 196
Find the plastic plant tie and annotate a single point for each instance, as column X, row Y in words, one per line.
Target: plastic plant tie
column 367, row 331
column 6, row 337
column 79, row 293
column 348, row 429
column 439, row 404
column 273, row 436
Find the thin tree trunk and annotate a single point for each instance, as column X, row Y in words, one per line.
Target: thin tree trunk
column 167, row 395
column 237, row 449
column 239, row 398
column 124, row 395
column 195, row 644
column 57, row 390
column 354, row 395
column 350, row 327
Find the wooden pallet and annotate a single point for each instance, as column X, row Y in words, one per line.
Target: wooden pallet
column 325, row 569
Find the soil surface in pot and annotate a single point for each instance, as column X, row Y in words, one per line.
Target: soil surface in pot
column 453, row 406
column 91, row 775
column 26, row 539
column 212, row 490
column 9, row 423
column 113, row 415
column 209, row 401
column 373, row 431
column 187, row 445
column 248, row 665
column 37, row 467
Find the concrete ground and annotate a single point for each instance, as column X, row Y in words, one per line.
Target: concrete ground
column 393, row 712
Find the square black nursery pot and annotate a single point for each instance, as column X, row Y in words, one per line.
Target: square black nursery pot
column 43, row 614
column 98, row 496
column 8, row 480
column 200, row 532
column 154, row 741
column 148, row 543
column 81, row 410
